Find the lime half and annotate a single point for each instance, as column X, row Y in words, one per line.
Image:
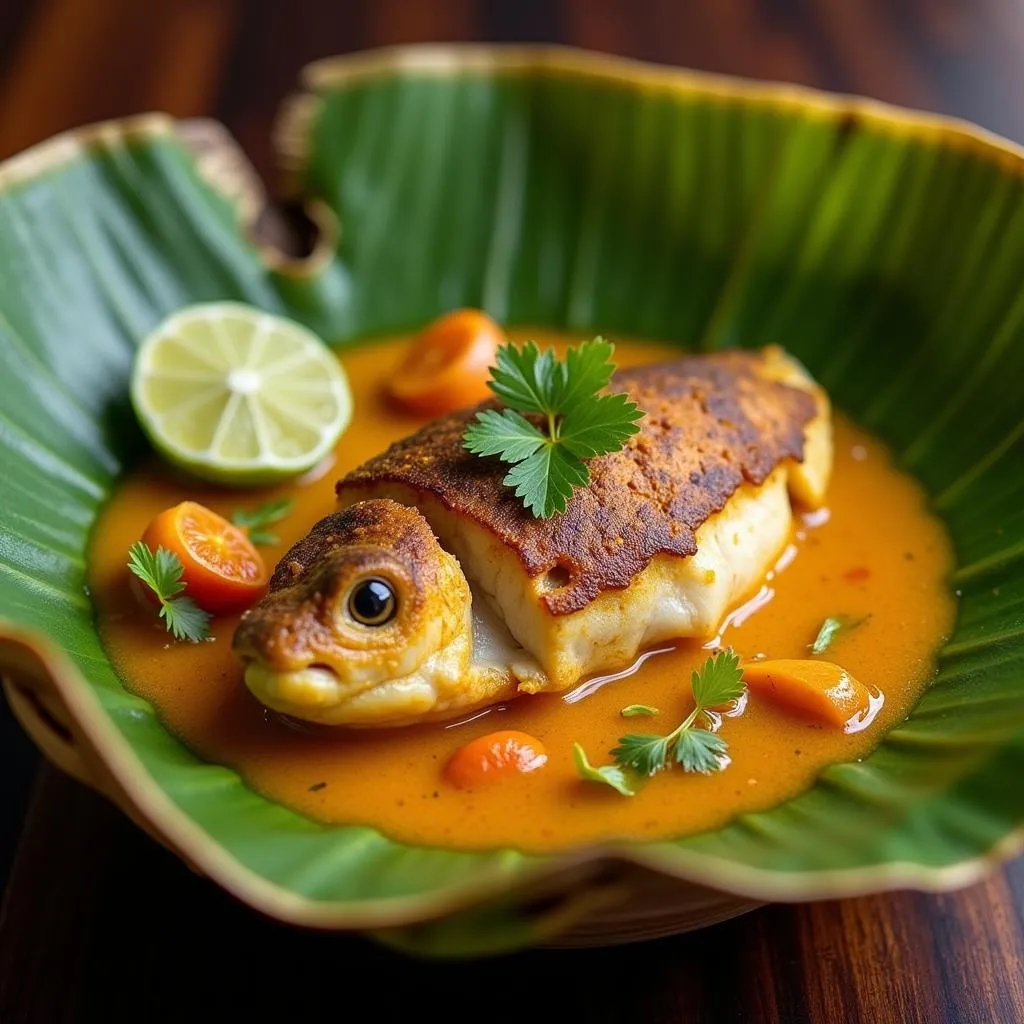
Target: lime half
column 238, row 396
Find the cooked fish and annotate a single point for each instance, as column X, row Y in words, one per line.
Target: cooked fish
column 432, row 591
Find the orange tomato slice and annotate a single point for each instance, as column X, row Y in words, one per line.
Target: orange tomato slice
column 496, row 756
column 818, row 689
column 222, row 570
column 448, row 365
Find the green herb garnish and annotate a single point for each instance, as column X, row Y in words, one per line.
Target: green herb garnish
column 638, row 711
column 608, row 774
column 576, row 421
column 831, row 628
column 161, row 571
column 253, row 520
column 719, row 681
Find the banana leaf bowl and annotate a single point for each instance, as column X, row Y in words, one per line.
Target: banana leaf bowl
column 885, row 249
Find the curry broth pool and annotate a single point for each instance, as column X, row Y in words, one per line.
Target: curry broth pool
column 873, row 552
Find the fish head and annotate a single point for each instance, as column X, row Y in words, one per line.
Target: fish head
column 354, row 610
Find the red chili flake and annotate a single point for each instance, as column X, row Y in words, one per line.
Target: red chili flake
column 858, row 574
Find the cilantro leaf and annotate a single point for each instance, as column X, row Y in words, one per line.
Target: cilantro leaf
column 638, row 711
column 831, row 628
column 698, row 750
column 645, row 753
column 503, row 433
column 161, row 571
column 588, row 369
column 185, row 619
column 608, row 774
column 253, row 520
column 578, row 422
column 545, row 481
column 601, row 426
column 719, row 681
column 527, row 379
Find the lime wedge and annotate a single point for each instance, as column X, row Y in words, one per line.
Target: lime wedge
column 238, row 396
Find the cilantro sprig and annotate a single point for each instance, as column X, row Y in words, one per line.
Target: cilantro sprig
column 161, row 571
column 692, row 744
column 576, row 422
column 254, row 520
column 719, row 681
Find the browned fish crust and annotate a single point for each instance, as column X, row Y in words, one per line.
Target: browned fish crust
column 712, row 424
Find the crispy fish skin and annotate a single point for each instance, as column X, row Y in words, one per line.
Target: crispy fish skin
column 711, row 426
column 671, row 533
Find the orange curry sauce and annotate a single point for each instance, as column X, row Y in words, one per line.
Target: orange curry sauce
column 875, row 551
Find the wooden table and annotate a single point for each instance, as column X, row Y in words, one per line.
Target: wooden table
column 100, row 924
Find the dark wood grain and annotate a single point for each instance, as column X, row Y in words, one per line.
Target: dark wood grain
column 85, row 60
column 100, row 924
column 99, row 920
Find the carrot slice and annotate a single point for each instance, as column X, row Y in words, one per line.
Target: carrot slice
column 221, row 568
column 496, row 756
column 818, row 689
column 448, row 365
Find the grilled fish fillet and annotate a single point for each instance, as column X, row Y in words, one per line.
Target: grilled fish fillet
column 671, row 533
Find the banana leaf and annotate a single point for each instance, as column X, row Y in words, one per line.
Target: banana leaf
column 884, row 249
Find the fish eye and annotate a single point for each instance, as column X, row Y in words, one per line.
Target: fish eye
column 372, row 602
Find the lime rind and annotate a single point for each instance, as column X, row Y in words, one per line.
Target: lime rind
column 238, row 396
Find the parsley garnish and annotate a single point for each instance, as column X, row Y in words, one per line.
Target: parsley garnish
column 161, row 572
column 576, row 421
column 699, row 750
column 719, row 681
column 608, row 774
column 252, row 520
column 831, row 628
column 638, row 711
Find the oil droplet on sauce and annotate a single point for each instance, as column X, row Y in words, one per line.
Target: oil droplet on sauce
column 875, row 549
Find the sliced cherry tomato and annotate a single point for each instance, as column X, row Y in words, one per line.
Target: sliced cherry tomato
column 448, row 365
column 222, row 570
column 496, row 756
